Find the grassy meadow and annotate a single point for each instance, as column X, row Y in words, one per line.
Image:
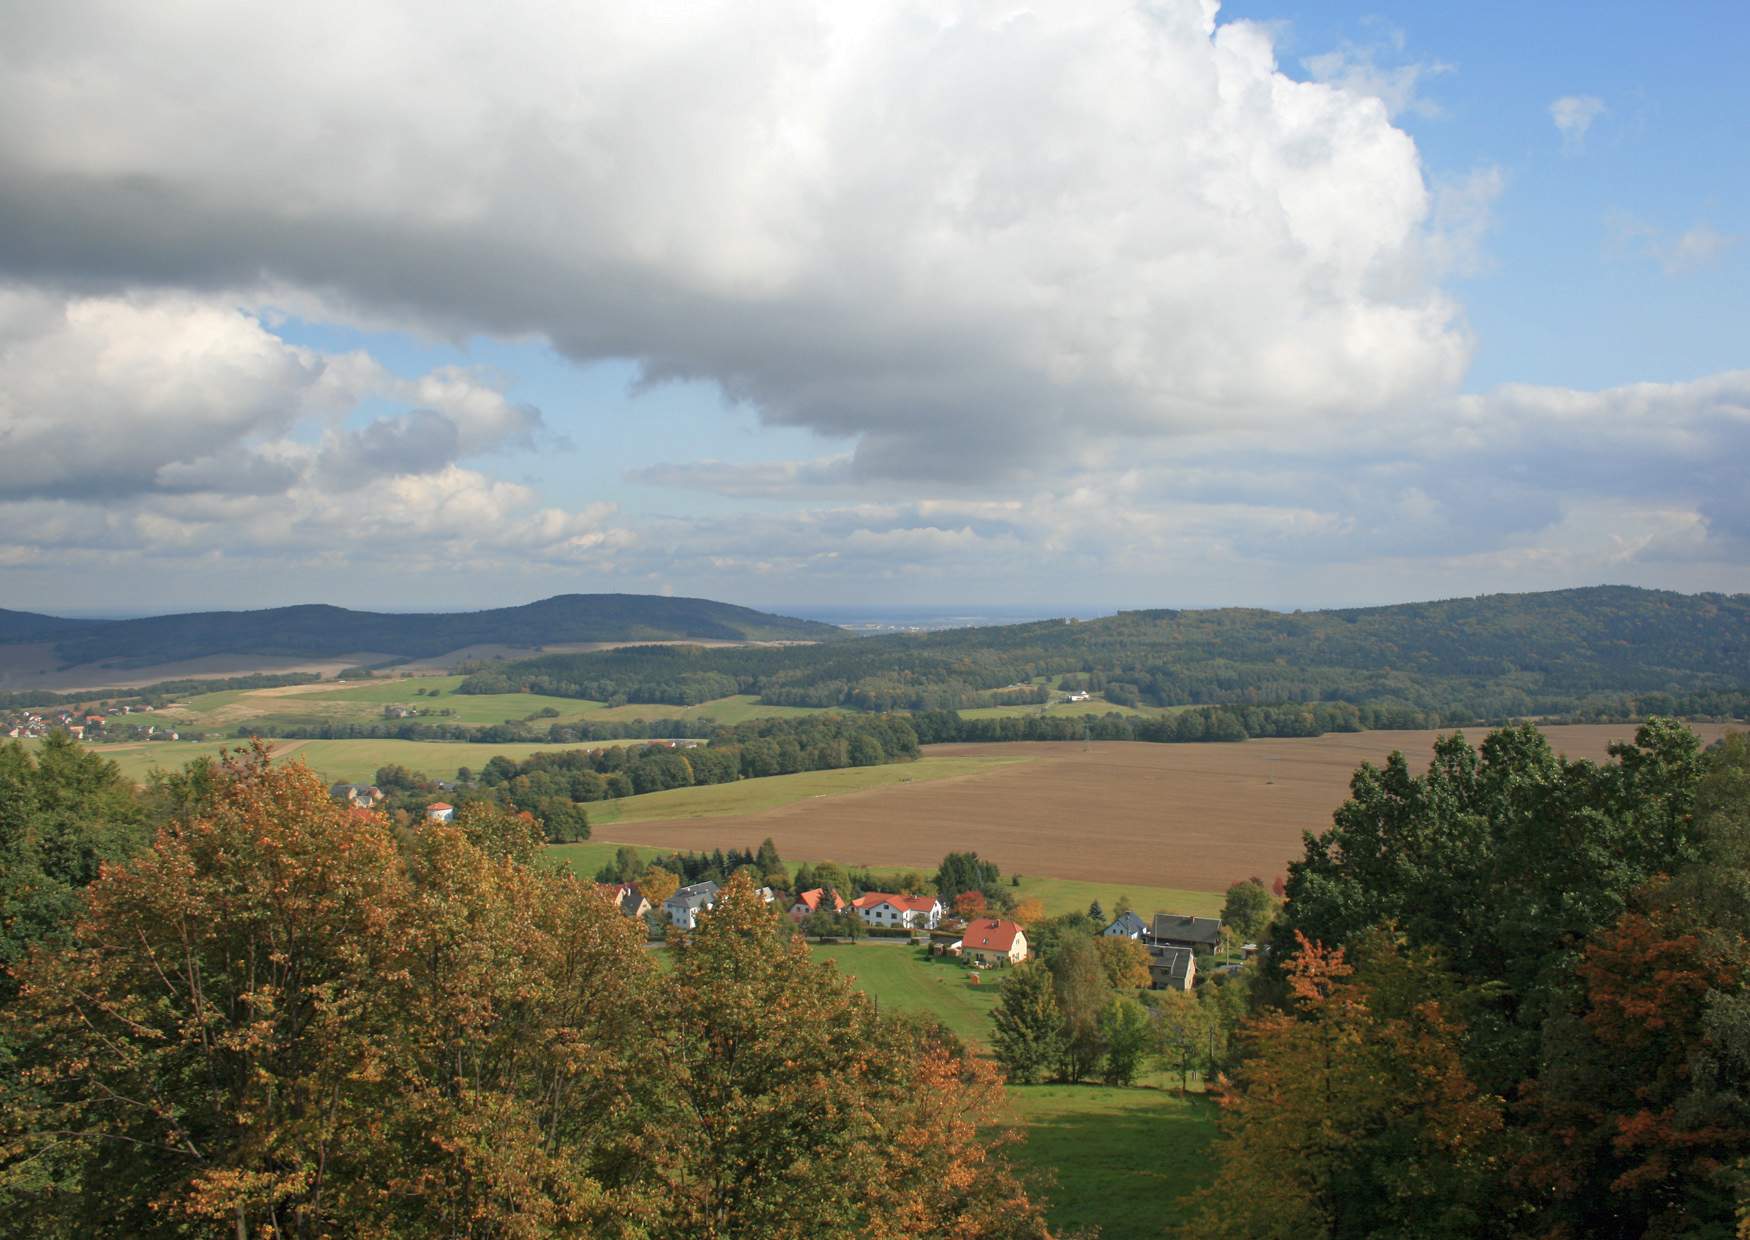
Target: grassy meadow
column 1121, row 1160
column 1065, row 895
column 902, row 978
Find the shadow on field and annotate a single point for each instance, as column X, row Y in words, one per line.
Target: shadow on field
column 1119, row 1159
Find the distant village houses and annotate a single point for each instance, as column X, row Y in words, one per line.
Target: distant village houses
column 684, row 906
column 993, row 941
column 892, row 912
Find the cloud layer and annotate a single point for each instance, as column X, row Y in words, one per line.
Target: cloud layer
column 1085, row 288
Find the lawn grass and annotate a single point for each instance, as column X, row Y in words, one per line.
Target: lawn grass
column 902, row 978
column 1066, row 895
column 138, row 762
column 1122, row 1160
column 750, row 796
column 585, row 858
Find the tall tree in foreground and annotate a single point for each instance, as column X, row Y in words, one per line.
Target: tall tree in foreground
column 806, row 1114
column 1028, row 1037
column 281, row 1020
column 1351, row 1115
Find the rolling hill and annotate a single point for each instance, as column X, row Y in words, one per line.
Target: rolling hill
column 315, row 630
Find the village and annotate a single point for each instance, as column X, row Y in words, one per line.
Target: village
column 1173, row 941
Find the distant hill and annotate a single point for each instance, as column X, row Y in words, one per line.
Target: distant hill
column 1422, row 664
column 316, row 631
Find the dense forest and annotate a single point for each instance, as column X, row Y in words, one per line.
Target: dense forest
column 319, row 630
column 1602, row 650
column 265, row 1015
column 1509, row 996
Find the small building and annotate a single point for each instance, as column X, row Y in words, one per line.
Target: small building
column 892, row 912
column 1171, row 968
column 1128, row 926
column 993, row 941
column 626, row 898
column 356, row 794
column 1081, row 695
column 1200, row 934
column 440, row 811
column 810, row 902
column 684, row 906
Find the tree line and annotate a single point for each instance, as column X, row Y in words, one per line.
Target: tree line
column 554, row 786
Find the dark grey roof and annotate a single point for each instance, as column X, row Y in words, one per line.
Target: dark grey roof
column 694, row 896
column 1176, row 928
column 1127, row 924
column 1170, row 965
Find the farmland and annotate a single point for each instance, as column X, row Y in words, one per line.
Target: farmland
column 1184, row 817
column 265, row 711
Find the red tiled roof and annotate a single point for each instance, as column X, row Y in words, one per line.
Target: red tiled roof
column 439, row 805
column 990, row 934
column 906, row 904
column 812, row 899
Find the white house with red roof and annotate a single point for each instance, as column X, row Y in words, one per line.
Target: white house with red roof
column 892, row 912
column 812, row 901
column 439, row 811
column 993, row 940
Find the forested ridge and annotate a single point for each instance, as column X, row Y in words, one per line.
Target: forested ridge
column 1607, row 650
column 319, row 630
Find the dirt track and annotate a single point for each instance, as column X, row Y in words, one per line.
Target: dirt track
column 1190, row 816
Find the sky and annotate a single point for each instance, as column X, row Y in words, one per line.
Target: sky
column 797, row 305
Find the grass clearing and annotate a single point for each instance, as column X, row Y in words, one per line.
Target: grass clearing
column 585, row 858
column 752, row 796
column 1119, row 1159
column 902, row 978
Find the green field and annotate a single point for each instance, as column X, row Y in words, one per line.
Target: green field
column 266, row 711
column 750, row 796
column 902, row 978
column 1118, row 1159
column 1064, row 895
column 586, row 858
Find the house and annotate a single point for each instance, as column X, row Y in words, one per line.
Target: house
column 810, row 902
column 991, row 940
column 626, row 898
column 1171, row 968
column 356, row 794
column 1202, row 934
column 1080, row 695
column 1127, row 925
column 684, row 906
column 76, row 731
column 766, row 895
column 440, row 811
column 886, row 911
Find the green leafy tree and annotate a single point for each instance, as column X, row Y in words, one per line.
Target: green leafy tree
column 1249, row 909
column 1079, row 980
column 1028, row 1034
column 1125, row 1031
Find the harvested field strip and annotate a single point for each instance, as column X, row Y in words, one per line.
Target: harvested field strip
column 750, row 796
column 1185, row 817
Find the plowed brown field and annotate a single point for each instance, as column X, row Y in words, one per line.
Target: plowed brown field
column 1196, row 817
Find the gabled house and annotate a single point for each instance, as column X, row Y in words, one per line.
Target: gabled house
column 1128, row 926
column 887, row 911
column 684, row 906
column 812, row 901
column 1202, row 934
column 356, row 794
column 626, row 898
column 992, row 940
column 440, row 811
column 1171, row 968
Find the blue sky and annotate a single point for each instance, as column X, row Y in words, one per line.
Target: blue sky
column 789, row 305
